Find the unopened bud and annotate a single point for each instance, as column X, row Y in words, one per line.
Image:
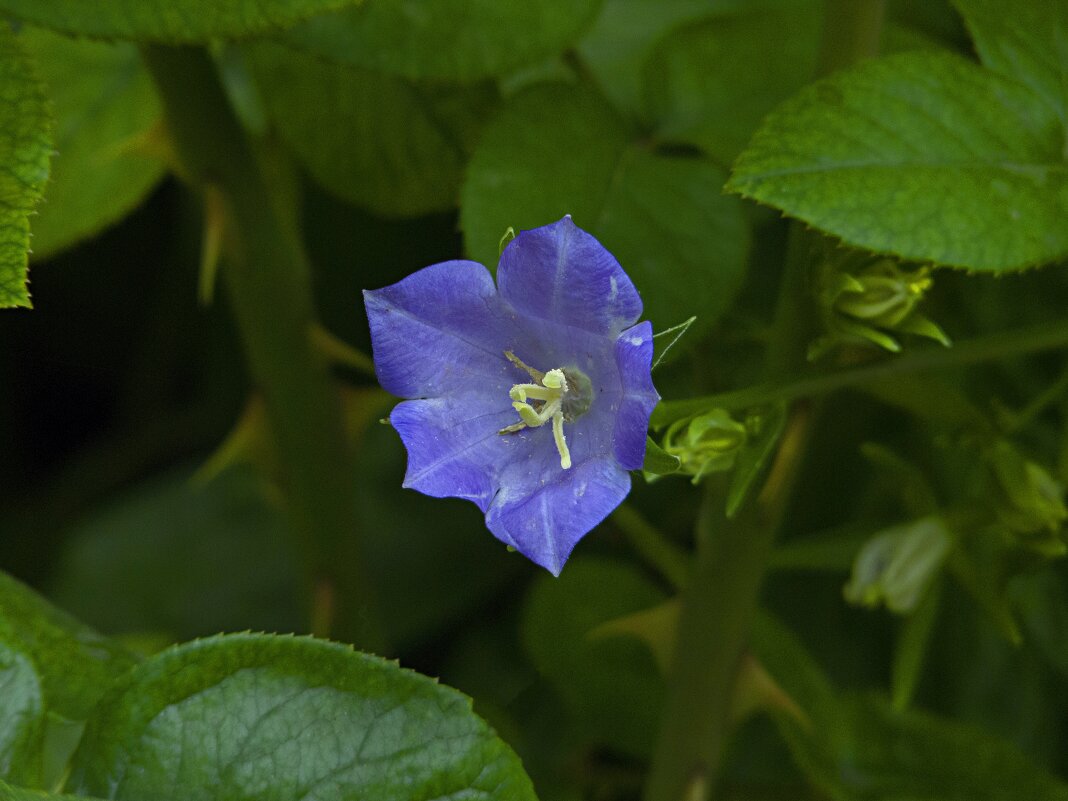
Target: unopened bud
column 708, row 443
column 882, row 294
column 873, row 303
column 1031, row 502
column 897, row 565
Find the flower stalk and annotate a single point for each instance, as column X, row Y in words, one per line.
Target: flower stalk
column 269, row 288
column 722, row 593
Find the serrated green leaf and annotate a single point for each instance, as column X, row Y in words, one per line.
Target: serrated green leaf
column 75, row 663
column 25, row 148
column 105, row 110
column 658, row 461
column 250, row 715
column 681, row 241
column 712, row 82
column 919, row 155
column 396, row 148
column 53, row 669
column 21, row 718
column 1028, row 42
column 448, row 40
column 170, row 21
column 611, row 685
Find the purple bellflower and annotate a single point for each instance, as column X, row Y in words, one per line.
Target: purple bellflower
column 530, row 398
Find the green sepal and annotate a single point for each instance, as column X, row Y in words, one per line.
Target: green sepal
column 659, row 462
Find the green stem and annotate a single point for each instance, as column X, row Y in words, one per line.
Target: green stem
column 717, row 608
column 1039, row 404
column 990, row 347
column 269, row 285
column 732, row 556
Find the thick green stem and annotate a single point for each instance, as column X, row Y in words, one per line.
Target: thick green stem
column 723, row 589
column 269, row 287
column 718, row 606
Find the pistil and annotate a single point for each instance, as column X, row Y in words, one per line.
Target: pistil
column 548, row 391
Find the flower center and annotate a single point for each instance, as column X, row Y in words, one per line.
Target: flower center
column 557, row 396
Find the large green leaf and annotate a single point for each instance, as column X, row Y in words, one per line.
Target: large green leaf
column 252, row 716
column 9, row 793
column 75, row 663
column 873, row 752
column 921, row 155
column 25, row 147
column 610, row 684
column 682, row 242
column 625, row 32
column 711, row 83
column 1028, row 42
column 105, row 111
column 452, row 40
column 183, row 559
column 173, row 21
column 857, row 748
column 394, row 147
column 186, row 559
column 21, row 718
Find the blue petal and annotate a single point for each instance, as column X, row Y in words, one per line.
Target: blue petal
column 454, row 450
column 634, row 355
column 561, row 274
column 544, row 525
column 439, row 330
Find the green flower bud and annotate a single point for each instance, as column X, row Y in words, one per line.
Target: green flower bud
column 882, row 294
column 1030, row 501
column 898, row 564
column 708, row 443
column 872, row 303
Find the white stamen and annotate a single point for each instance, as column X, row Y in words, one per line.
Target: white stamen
column 550, row 393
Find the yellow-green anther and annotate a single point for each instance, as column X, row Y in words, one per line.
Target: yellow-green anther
column 520, row 392
column 528, row 415
column 549, row 392
column 554, row 379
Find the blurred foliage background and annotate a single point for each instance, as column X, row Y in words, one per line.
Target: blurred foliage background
column 405, row 146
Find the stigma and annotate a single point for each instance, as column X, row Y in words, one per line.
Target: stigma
column 550, row 398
